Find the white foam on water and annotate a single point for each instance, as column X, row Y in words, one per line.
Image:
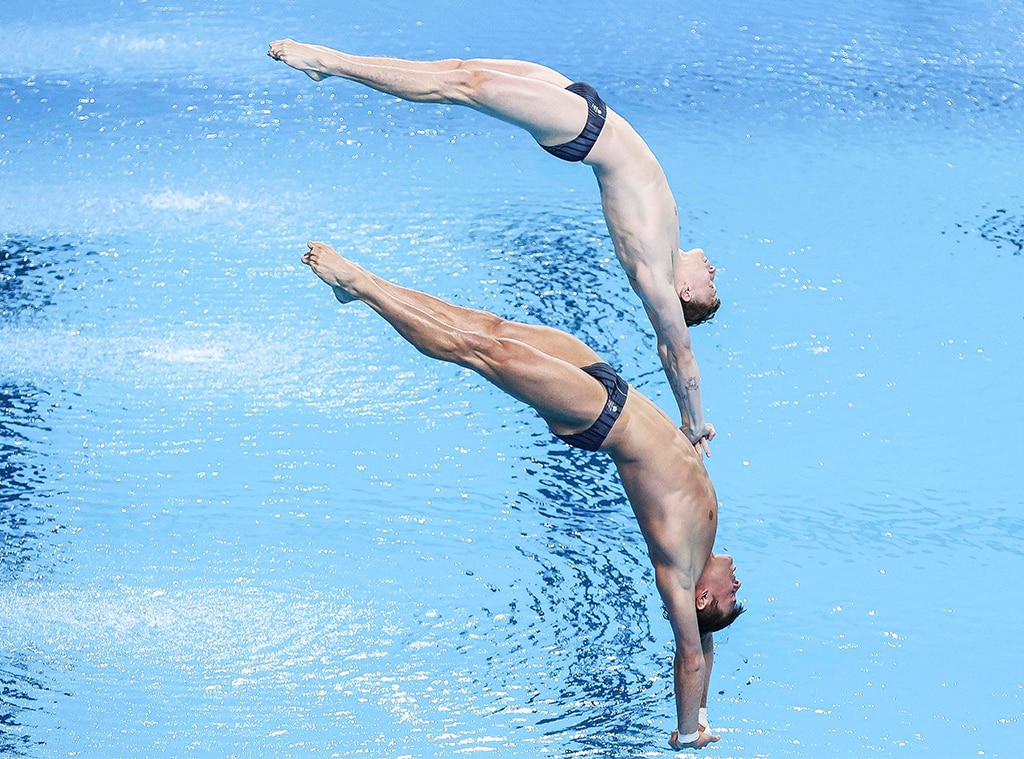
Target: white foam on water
column 182, row 201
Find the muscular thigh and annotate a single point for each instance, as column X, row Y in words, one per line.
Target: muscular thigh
column 549, row 112
column 553, row 342
column 566, row 397
column 519, row 68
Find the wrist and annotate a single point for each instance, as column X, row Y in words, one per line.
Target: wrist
column 692, row 434
column 689, row 738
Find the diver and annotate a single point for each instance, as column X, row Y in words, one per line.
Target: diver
column 585, row 403
column 570, row 120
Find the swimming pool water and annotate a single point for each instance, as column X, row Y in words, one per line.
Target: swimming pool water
column 240, row 521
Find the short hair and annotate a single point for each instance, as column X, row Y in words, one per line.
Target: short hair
column 698, row 313
column 712, row 619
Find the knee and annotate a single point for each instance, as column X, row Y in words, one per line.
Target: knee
column 480, row 351
column 465, row 84
column 472, row 64
column 502, row 329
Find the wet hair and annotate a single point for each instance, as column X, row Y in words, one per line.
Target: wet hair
column 698, row 313
column 712, row 619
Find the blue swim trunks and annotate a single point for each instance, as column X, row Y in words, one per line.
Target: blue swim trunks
column 597, row 111
column 592, row 438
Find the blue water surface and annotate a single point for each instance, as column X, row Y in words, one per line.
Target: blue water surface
column 240, row 521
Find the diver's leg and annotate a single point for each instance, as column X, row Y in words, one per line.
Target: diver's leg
column 552, row 341
column 568, row 399
column 291, row 52
column 535, row 99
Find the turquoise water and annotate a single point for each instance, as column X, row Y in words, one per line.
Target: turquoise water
column 240, row 521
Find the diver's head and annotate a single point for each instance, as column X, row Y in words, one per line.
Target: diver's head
column 695, row 285
column 717, row 607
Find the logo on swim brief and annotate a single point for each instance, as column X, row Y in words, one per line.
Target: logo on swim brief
column 597, row 109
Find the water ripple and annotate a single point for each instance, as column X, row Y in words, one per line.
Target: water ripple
column 1003, row 227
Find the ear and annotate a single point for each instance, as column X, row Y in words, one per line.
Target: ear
column 703, row 599
column 684, row 293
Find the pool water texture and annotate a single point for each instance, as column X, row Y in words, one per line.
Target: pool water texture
column 240, row 521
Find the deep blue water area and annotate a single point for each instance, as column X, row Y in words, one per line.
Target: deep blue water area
column 238, row 520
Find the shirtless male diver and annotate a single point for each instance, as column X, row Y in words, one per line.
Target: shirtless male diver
column 586, row 404
column 570, row 121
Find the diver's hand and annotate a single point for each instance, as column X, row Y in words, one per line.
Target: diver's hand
column 701, row 443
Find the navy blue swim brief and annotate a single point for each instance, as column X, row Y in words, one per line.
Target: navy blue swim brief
column 592, row 437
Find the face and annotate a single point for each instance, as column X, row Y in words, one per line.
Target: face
column 695, row 277
column 718, row 582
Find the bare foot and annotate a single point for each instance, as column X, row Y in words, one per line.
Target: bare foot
column 299, row 56
column 342, row 275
